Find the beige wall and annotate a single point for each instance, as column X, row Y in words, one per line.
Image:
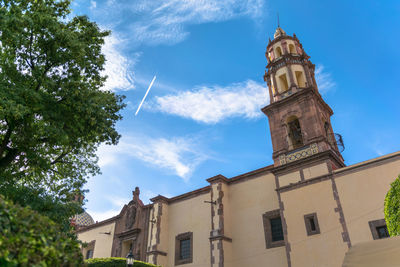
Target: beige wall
column 191, row 215
column 248, row 201
column 324, row 249
column 289, row 178
column 315, row 171
column 362, row 194
column 103, row 243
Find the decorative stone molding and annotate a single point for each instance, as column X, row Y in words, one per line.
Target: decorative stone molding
column 297, row 154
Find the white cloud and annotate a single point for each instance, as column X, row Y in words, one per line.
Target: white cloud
column 103, row 215
column 118, row 201
column 146, row 195
column 93, row 4
column 117, row 67
column 164, row 21
column 324, row 79
column 178, row 155
column 215, row 103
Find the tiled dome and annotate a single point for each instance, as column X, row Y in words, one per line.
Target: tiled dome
column 83, row 219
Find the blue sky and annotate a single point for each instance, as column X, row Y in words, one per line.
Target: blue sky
column 202, row 116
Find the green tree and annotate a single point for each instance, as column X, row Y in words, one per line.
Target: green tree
column 392, row 208
column 30, row 239
column 53, row 113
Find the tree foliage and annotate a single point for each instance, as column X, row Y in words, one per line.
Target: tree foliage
column 57, row 208
column 53, row 113
column 392, row 208
column 30, row 239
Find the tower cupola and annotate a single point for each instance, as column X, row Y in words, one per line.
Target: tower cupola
column 279, row 32
column 299, row 118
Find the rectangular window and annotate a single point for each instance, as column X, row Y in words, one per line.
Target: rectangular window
column 378, row 229
column 89, row 254
column 276, row 229
column 312, row 226
column 382, row 231
column 184, row 248
column 89, row 249
column 273, row 229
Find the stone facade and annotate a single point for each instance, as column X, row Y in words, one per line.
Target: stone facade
column 307, row 209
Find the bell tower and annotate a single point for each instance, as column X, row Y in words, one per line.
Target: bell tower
column 299, row 118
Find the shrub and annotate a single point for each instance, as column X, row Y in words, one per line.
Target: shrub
column 30, row 239
column 392, row 208
column 114, row 262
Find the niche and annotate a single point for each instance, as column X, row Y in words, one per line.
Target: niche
column 278, row 52
column 283, row 83
column 292, row 50
column 300, row 79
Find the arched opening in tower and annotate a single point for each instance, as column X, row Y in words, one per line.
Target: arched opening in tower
column 283, row 83
column 295, row 134
column 300, row 79
column 292, row 50
column 278, row 51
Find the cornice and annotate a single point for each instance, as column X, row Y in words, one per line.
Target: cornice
column 217, row 178
column 294, row 97
column 105, row 222
column 319, row 157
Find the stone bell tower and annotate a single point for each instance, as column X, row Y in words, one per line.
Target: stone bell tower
column 299, row 118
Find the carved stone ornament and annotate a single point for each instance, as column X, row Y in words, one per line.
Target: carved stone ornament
column 130, row 217
column 298, row 154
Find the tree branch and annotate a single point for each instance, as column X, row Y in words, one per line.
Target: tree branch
column 5, row 141
column 60, row 157
column 11, row 155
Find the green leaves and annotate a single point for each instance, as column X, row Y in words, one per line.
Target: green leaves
column 29, row 239
column 53, row 113
column 392, row 208
column 53, row 117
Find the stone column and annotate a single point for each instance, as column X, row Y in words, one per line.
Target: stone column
column 220, row 241
column 291, row 78
column 157, row 249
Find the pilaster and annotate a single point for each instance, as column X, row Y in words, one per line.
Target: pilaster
column 157, row 249
column 220, row 235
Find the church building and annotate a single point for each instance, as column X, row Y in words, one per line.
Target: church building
column 305, row 210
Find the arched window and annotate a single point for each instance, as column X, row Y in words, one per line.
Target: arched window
column 294, row 132
column 278, row 52
column 292, row 50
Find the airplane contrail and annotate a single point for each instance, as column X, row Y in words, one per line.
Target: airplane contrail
column 148, row 89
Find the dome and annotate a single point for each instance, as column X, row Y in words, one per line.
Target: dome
column 83, row 219
column 279, row 32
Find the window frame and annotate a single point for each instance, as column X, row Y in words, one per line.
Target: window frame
column 178, row 239
column 307, row 220
column 90, row 246
column 375, row 224
column 268, row 231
